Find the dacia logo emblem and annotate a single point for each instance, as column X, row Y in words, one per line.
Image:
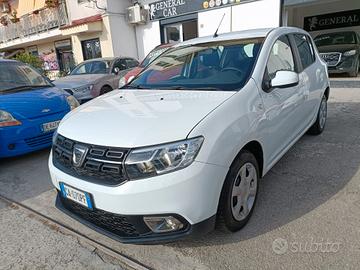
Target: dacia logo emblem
column 79, row 155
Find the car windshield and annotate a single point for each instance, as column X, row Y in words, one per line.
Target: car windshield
column 335, row 39
column 223, row 65
column 18, row 76
column 92, row 67
column 152, row 56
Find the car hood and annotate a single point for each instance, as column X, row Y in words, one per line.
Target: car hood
column 133, row 118
column 134, row 72
column 78, row 80
column 31, row 104
column 337, row 48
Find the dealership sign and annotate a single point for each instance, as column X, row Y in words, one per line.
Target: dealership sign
column 332, row 20
column 172, row 8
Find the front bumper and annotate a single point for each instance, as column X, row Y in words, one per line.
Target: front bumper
column 190, row 194
column 129, row 229
column 346, row 65
column 27, row 137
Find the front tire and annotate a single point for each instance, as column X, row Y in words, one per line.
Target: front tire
column 319, row 126
column 105, row 89
column 239, row 193
column 355, row 72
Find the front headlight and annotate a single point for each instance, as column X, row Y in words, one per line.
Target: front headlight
column 349, row 53
column 7, row 120
column 156, row 160
column 122, row 82
column 73, row 103
column 83, row 89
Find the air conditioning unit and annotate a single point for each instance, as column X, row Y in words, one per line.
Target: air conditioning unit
column 5, row 7
column 137, row 14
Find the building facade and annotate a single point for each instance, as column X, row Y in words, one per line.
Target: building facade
column 71, row 31
column 179, row 20
column 65, row 33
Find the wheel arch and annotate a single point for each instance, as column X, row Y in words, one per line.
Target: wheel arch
column 256, row 149
column 105, row 86
column 327, row 93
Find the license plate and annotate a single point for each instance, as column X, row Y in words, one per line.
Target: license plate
column 46, row 127
column 76, row 195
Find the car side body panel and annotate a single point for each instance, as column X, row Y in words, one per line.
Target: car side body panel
column 276, row 120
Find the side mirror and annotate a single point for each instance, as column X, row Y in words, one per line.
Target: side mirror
column 284, row 79
column 116, row 71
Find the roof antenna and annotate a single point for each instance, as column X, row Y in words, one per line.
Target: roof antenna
column 216, row 32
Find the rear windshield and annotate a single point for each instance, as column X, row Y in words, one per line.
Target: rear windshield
column 335, row 39
column 18, row 75
column 223, row 65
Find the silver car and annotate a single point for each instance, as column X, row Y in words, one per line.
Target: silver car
column 96, row 77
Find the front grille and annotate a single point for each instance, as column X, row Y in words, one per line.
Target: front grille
column 332, row 59
column 103, row 165
column 41, row 140
column 123, row 226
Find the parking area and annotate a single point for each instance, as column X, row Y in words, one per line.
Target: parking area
column 307, row 214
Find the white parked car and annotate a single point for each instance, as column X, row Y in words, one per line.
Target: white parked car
column 186, row 143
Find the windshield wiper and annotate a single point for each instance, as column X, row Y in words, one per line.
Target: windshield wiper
column 134, row 87
column 179, row 87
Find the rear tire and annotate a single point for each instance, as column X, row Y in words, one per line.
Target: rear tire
column 319, row 126
column 105, row 89
column 239, row 193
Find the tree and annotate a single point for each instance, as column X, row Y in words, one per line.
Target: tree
column 30, row 59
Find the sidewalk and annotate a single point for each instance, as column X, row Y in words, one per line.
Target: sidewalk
column 29, row 243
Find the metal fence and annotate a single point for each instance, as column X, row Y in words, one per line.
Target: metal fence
column 30, row 24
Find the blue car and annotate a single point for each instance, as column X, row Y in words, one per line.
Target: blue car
column 31, row 108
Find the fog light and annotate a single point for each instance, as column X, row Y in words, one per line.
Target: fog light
column 163, row 224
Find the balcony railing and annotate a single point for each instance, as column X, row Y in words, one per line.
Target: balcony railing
column 30, row 24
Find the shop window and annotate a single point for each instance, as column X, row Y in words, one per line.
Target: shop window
column 91, row 49
column 174, row 31
column 65, row 55
column 33, row 50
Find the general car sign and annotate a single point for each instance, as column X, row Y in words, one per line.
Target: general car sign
column 172, row 8
column 332, row 20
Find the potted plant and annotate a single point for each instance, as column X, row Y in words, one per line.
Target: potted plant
column 14, row 18
column 3, row 20
column 52, row 3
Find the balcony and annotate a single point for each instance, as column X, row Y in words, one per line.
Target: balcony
column 37, row 22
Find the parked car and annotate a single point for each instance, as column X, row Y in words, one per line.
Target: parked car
column 31, row 108
column 341, row 51
column 158, row 50
column 95, row 77
column 168, row 158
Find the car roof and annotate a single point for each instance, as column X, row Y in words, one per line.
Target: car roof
column 256, row 33
column 108, row 58
column 245, row 34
